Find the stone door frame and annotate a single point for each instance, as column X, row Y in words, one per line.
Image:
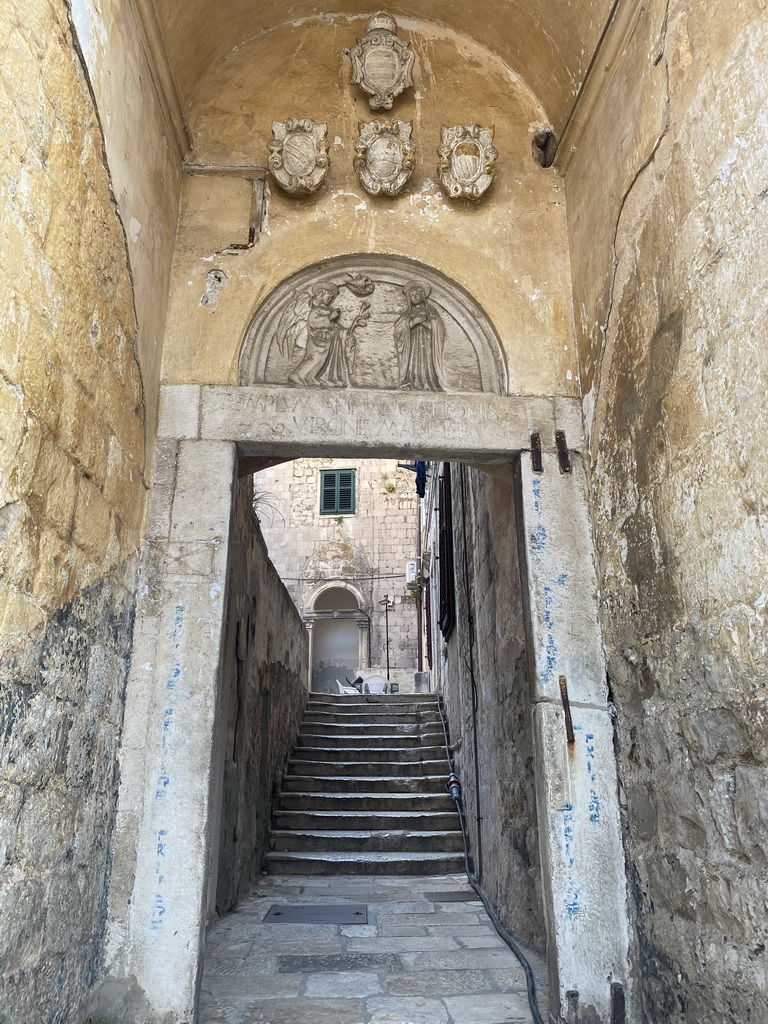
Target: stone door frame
column 164, row 867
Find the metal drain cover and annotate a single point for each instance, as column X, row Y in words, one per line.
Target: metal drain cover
column 452, row 896
column 317, row 913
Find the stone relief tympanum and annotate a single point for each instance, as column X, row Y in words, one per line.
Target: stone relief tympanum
column 467, row 159
column 384, row 156
column 298, row 154
column 382, row 64
column 372, row 322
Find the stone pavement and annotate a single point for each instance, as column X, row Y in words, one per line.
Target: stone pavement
column 415, row 962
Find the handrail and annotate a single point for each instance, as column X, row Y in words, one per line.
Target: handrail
column 454, row 788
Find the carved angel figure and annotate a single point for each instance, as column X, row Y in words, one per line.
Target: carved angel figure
column 419, row 336
column 327, row 343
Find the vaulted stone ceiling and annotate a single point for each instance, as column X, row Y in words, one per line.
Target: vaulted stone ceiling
column 549, row 43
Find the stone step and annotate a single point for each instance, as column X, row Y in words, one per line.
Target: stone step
column 366, row 801
column 364, row 784
column 364, row 718
column 382, row 863
column 430, row 821
column 316, row 739
column 389, row 699
column 380, row 710
column 361, row 753
column 384, row 728
column 368, row 840
column 298, row 766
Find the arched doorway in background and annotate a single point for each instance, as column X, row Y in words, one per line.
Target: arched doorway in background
column 338, row 636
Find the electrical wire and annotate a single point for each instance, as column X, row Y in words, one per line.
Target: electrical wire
column 511, row 941
column 340, row 579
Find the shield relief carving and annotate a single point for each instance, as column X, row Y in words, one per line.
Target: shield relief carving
column 467, row 160
column 298, row 154
column 382, row 64
column 384, row 156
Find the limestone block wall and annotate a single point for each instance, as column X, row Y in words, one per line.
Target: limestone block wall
column 496, row 766
column 71, row 507
column 369, row 549
column 666, row 191
column 264, row 682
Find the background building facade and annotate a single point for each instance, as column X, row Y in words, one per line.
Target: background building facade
column 340, row 534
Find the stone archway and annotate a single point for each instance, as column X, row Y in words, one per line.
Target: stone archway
column 160, row 895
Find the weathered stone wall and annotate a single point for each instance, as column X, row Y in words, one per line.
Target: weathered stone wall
column 369, row 548
column 145, row 141
column 489, row 643
column 71, row 506
column 665, row 196
column 264, row 695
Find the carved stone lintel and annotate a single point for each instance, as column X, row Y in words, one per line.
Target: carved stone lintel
column 298, row 154
column 467, row 160
column 382, row 64
column 384, row 156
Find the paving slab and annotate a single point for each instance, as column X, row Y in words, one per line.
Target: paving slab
column 441, row 983
column 406, row 1011
column 303, row 1011
column 343, row 985
column 491, row 1009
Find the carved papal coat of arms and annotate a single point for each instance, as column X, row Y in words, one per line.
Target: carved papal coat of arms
column 381, row 63
column 467, row 160
column 384, row 156
column 298, row 154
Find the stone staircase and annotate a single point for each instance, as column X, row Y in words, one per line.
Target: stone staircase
column 365, row 792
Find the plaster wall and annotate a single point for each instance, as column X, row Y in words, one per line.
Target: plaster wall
column 494, row 248
column 145, row 141
column 71, row 507
column 369, row 548
column 666, row 189
column 264, row 693
column 550, row 43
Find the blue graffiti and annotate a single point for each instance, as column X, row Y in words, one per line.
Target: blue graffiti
column 573, row 901
column 594, row 807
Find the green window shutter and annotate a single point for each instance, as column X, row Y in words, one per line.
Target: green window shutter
column 337, row 491
column 328, row 493
column 346, row 501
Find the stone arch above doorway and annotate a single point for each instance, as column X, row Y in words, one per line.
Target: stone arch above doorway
column 335, row 596
column 373, row 321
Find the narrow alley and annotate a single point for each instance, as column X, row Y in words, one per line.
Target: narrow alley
column 366, row 915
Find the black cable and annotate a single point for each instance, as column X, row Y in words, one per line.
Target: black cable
column 507, row 936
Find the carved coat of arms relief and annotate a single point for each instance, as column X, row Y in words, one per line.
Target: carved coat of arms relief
column 382, row 64
column 298, row 154
column 467, row 159
column 384, row 156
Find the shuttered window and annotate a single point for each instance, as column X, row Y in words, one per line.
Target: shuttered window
column 337, row 492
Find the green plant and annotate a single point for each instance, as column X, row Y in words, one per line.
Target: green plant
column 339, row 520
column 266, row 502
column 389, row 486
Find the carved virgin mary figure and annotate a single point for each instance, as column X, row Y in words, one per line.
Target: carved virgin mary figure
column 419, row 335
